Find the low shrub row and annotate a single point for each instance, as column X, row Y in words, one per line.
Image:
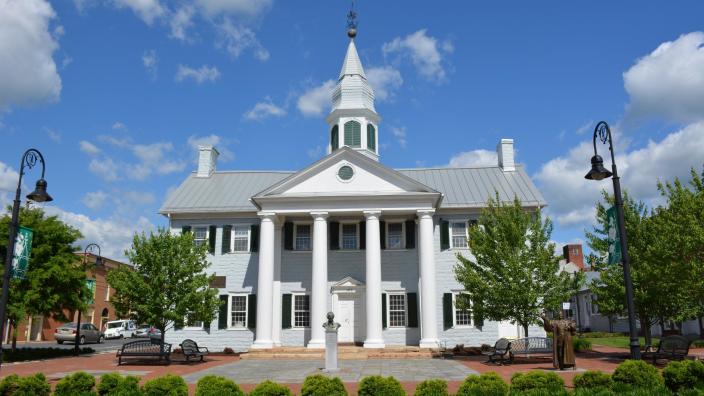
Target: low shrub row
column 581, row 344
column 631, row 378
column 601, row 334
column 24, row 354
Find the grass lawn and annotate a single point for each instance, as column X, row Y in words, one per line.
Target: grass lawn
column 618, row 342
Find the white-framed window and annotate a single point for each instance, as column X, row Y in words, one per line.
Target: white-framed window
column 397, row 309
column 200, row 235
column 301, row 310
column 240, row 238
column 458, row 234
column 595, row 306
column 461, row 317
column 237, row 311
column 302, row 237
column 349, row 236
column 395, row 235
column 107, row 291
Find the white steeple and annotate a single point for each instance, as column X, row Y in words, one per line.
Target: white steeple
column 353, row 120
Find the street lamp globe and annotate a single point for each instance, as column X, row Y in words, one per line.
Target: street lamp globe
column 39, row 194
column 598, row 172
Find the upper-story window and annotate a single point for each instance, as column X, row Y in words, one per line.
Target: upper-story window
column 394, row 235
column 349, row 236
column 335, row 138
column 302, row 237
column 200, row 235
column 240, row 238
column 353, row 131
column 371, row 137
column 458, row 231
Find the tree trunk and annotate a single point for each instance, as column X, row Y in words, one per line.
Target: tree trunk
column 645, row 328
column 163, row 337
column 525, row 329
column 13, row 326
column 701, row 327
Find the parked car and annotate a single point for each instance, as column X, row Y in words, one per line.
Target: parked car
column 155, row 334
column 89, row 333
column 120, row 329
column 142, row 331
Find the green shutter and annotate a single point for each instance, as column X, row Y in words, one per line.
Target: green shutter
column 334, row 235
column 226, row 236
column 353, row 131
column 362, row 235
column 254, row 242
column 371, row 137
column 410, row 234
column 477, row 313
column 334, row 138
column 412, row 300
column 447, row 320
column 252, row 311
column 382, row 234
column 185, row 229
column 222, row 314
column 288, row 235
column 444, row 235
column 212, row 231
column 286, row 311
column 383, row 310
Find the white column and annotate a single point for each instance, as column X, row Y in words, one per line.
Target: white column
column 265, row 282
column 374, row 336
column 276, row 319
column 319, row 285
column 428, row 308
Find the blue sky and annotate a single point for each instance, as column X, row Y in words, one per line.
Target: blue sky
column 117, row 93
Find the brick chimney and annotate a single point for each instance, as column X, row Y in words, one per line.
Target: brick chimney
column 505, row 153
column 573, row 254
column 207, row 158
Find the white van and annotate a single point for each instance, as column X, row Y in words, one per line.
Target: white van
column 120, row 329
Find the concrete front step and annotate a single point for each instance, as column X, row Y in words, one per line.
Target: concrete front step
column 344, row 353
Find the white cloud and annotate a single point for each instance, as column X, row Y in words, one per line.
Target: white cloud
column 669, row 82
column 94, row 199
column 105, row 168
column 212, row 140
column 118, row 126
column 264, row 110
column 88, row 147
column 385, row 81
column 180, row 21
column 571, row 198
column 236, row 38
column 8, row 179
column 238, row 7
column 53, row 135
column 400, row 134
column 423, row 51
column 474, row 158
column 150, row 61
column 317, row 99
column 28, row 72
column 147, row 10
column 200, row 75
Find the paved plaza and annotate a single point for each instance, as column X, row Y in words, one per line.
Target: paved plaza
column 295, row 371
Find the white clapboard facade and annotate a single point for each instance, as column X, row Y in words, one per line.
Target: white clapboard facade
column 347, row 234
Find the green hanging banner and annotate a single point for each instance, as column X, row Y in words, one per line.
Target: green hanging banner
column 614, row 236
column 23, row 248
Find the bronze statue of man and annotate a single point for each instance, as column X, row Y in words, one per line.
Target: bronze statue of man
column 562, row 332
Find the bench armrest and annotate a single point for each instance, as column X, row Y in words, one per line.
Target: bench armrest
column 203, row 349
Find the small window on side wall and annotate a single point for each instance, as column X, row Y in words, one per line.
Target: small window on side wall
column 458, row 231
column 302, row 237
column 301, row 310
column 200, row 235
column 462, row 317
column 240, row 238
column 394, row 235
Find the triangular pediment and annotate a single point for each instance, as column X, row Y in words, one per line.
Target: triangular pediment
column 348, row 281
column 346, row 172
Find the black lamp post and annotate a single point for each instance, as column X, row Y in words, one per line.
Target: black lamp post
column 598, row 172
column 29, row 160
column 98, row 263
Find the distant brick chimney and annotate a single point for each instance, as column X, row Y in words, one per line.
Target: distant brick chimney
column 573, row 254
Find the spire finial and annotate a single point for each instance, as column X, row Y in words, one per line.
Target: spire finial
column 352, row 22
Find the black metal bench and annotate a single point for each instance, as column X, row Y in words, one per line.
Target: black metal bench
column 531, row 346
column 190, row 349
column 144, row 349
column 674, row 347
column 500, row 350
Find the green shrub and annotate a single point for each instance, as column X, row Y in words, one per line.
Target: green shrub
column 320, row 385
column 593, row 392
column 377, row 385
column 8, row 385
column 436, row 387
column 698, row 344
column 23, row 354
column 691, row 392
column 581, row 345
column 213, row 385
column 114, row 384
column 270, row 388
column 525, row 383
column 687, row 374
column 489, row 384
column 600, row 334
column 168, row 385
column 637, row 374
column 75, row 384
column 33, row 385
column 593, row 380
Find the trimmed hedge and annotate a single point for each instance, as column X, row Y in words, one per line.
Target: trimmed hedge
column 593, row 380
column 687, row 374
column 320, row 385
column 23, row 354
column 213, row 385
column 581, row 345
column 489, row 384
column 78, row 383
column 537, row 381
column 435, row 387
column 32, row 385
column 114, row 384
column 637, row 374
column 168, row 385
column 378, row 385
column 270, row 388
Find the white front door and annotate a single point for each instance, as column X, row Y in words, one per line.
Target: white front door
column 346, row 305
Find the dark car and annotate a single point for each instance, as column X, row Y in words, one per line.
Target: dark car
column 89, row 333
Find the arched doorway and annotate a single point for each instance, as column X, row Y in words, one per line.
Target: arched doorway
column 104, row 318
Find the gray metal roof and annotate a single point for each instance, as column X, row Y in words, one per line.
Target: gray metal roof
column 461, row 187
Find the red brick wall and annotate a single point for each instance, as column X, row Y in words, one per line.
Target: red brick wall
column 573, row 254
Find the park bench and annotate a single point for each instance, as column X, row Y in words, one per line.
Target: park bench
column 144, row 349
column 531, row 346
column 674, row 347
column 190, row 349
column 500, row 350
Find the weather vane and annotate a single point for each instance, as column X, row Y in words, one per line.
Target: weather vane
column 352, row 22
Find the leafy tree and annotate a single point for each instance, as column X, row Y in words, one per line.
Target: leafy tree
column 54, row 283
column 512, row 272
column 168, row 282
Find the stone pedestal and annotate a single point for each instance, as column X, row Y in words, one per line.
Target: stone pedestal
column 331, row 344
